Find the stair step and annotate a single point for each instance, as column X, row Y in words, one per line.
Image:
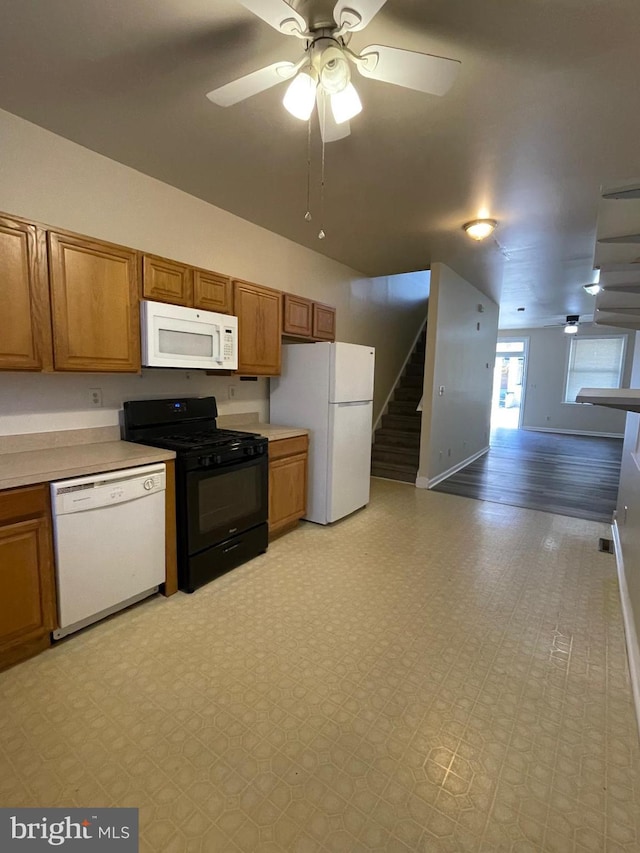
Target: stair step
column 417, row 358
column 409, row 394
column 393, row 473
column 408, row 423
column 396, row 438
column 414, row 369
column 403, row 407
column 397, row 456
column 409, row 381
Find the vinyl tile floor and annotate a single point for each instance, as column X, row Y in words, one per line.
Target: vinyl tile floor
column 431, row 674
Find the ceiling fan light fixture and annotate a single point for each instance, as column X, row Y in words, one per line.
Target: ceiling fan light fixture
column 335, row 74
column 479, row 229
column 571, row 327
column 300, row 96
column 346, row 104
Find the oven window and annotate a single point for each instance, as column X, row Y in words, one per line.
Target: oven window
column 225, row 499
column 185, row 343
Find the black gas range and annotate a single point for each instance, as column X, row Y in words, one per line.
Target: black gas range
column 222, row 482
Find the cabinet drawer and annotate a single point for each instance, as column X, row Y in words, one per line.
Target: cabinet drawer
column 30, row 502
column 288, row 446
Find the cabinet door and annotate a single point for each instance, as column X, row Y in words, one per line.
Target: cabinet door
column 287, row 492
column 95, row 305
column 27, row 609
column 25, row 318
column 324, row 322
column 259, row 311
column 167, row 281
column 298, row 316
column 212, row 292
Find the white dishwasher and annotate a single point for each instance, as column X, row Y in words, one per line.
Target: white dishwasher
column 109, row 543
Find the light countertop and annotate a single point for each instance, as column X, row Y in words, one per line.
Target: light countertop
column 250, row 423
column 30, row 466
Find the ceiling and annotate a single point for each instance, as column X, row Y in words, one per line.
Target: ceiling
column 544, row 111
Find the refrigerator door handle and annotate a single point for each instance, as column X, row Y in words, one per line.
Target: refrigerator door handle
column 353, row 403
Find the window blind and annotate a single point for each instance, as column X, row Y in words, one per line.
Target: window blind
column 594, row 363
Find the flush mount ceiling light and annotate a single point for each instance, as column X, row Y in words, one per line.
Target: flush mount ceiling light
column 479, row 229
column 592, row 289
column 595, row 287
column 571, row 327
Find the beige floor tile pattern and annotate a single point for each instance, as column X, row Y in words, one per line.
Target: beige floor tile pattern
column 431, row 675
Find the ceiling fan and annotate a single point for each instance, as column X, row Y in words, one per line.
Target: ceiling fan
column 323, row 74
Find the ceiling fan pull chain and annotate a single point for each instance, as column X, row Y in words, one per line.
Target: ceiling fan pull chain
column 307, row 216
column 321, row 234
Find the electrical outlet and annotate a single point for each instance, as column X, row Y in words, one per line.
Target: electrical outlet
column 95, row 397
column 231, row 391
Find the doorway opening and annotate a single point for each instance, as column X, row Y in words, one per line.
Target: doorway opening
column 509, row 384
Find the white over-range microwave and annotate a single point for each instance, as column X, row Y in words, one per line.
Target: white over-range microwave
column 173, row 336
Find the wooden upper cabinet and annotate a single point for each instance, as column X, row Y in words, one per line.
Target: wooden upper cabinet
column 95, row 305
column 212, row 292
column 259, row 312
column 297, row 316
column 324, row 322
column 25, row 319
column 167, row 281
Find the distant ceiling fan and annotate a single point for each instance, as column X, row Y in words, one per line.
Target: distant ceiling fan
column 323, row 74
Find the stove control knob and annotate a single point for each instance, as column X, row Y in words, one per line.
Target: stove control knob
column 204, row 460
column 218, row 460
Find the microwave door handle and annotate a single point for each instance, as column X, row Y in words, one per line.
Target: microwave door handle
column 219, row 359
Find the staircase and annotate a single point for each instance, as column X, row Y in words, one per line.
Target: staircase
column 396, row 447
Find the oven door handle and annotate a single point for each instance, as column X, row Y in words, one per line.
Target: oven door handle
column 231, row 548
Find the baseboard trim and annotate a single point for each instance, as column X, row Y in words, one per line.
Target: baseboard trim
column 575, row 432
column 426, row 483
column 631, row 637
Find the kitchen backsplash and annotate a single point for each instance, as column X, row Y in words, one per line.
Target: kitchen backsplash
column 37, row 402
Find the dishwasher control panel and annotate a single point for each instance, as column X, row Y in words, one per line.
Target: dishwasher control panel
column 101, row 490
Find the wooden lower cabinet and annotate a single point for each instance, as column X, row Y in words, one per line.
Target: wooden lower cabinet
column 27, row 589
column 287, row 483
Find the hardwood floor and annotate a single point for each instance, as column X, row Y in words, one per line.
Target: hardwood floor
column 572, row 475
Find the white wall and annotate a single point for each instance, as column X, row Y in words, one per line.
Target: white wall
column 628, row 530
column 459, row 356
column 547, row 363
column 51, row 180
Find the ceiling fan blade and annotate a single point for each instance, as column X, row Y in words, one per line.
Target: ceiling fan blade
column 276, row 13
column 420, row 71
column 354, row 15
column 329, row 129
column 252, row 84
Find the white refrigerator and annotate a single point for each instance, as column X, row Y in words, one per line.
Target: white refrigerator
column 328, row 388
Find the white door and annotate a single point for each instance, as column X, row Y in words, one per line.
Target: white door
column 349, row 458
column 351, row 373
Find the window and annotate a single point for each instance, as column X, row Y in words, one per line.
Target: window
column 594, row 363
column 510, row 346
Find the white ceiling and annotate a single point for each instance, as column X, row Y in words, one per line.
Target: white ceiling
column 545, row 110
